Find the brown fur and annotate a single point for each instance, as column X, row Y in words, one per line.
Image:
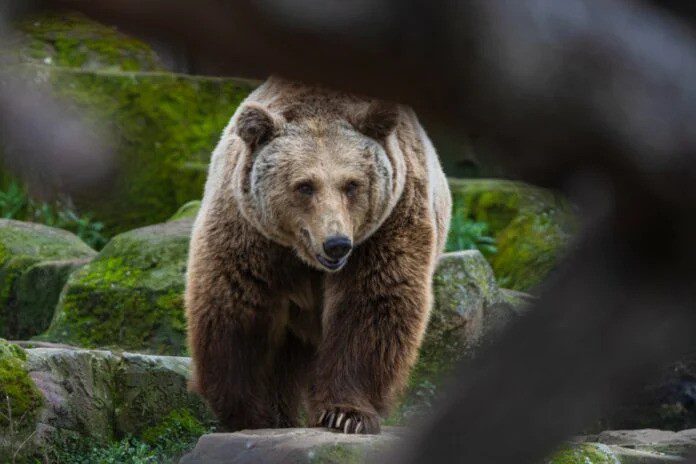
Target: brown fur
column 269, row 328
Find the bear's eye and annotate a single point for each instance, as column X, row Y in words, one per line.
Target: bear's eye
column 305, row 188
column 351, row 188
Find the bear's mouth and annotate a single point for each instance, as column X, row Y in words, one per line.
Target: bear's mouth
column 331, row 264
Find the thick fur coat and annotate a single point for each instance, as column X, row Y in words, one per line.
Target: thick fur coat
column 311, row 260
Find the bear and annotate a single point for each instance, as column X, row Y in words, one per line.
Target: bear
column 309, row 277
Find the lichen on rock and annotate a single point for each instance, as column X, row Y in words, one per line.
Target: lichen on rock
column 130, row 296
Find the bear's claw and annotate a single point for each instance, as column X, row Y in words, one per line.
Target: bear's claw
column 348, row 421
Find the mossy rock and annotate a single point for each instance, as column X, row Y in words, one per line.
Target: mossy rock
column 73, row 40
column 79, row 388
column 20, row 402
column 93, row 397
column 585, row 453
column 469, row 310
column 163, row 128
column 188, row 210
column 35, row 262
column 294, row 446
column 532, row 226
column 153, row 396
column 179, row 422
column 130, row 296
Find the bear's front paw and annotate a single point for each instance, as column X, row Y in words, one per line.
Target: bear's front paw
column 348, row 420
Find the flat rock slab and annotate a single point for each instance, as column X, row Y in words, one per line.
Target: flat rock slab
column 289, row 446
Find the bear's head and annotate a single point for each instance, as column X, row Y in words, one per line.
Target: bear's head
column 317, row 184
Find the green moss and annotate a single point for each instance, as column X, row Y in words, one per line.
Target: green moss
column 178, row 425
column 19, row 398
column 73, row 40
column 529, row 248
column 162, row 126
column 584, row 454
column 31, row 254
column 37, row 291
column 531, row 226
column 336, row 454
column 188, row 210
column 163, row 443
column 130, row 296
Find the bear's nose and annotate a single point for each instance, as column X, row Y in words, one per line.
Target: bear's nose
column 337, row 247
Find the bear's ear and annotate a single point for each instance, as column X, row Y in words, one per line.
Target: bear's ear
column 255, row 125
column 379, row 120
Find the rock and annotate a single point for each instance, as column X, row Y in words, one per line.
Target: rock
column 150, row 385
column 532, row 226
column 35, row 262
column 78, row 391
column 469, row 310
column 599, row 453
column 75, row 41
column 289, row 446
column 300, row 446
column 130, row 296
column 652, row 440
column 20, row 402
column 187, row 210
column 76, row 394
column 162, row 126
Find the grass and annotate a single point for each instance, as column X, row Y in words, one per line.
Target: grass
column 15, row 203
column 162, row 444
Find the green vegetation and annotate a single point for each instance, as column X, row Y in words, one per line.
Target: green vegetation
column 531, row 227
column 468, row 234
column 164, row 443
column 19, row 401
column 337, row 454
column 584, row 454
column 187, row 210
column 15, row 203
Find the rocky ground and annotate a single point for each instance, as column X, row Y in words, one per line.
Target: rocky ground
column 129, row 296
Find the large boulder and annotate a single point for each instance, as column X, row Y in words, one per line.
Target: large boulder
column 289, row 446
column 320, row 446
column 469, row 310
column 75, row 41
column 35, row 262
column 60, row 395
column 532, row 226
column 162, row 126
column 130, row 296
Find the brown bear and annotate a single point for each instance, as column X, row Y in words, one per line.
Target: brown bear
column 311, row 260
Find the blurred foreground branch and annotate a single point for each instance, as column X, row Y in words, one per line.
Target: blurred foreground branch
column 595, row 97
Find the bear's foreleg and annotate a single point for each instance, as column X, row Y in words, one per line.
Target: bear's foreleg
column 376, row 310
column 235, row 327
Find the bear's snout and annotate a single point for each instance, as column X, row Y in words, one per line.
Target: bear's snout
column 337, row 247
